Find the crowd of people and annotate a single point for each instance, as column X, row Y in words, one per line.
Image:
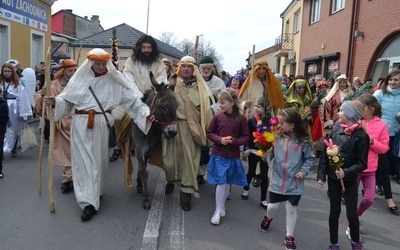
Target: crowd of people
column 350, row 130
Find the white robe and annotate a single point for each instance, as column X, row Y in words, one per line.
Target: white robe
column 19, row 108
column 89, row 147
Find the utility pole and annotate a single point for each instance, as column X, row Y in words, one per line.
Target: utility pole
column 148, row 12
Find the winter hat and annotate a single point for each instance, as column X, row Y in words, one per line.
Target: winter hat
column 13, row 62
column 206, row 60
column 353, row 110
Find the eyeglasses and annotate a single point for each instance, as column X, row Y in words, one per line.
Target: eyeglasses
column 301, row 87
column 7, row 71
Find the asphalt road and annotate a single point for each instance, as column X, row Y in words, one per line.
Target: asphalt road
column 122, row 223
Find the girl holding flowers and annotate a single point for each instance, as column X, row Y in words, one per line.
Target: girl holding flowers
column 228, row 131
column 353, row 146
column 261, row 128
column 293, row 159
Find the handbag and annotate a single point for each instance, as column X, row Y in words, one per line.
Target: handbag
column 112, row 138
column 28, row 138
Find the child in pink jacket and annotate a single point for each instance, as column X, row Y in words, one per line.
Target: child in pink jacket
column 379, row 144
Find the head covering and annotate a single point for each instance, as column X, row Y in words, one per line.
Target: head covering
column 28, row 79
column 78, row 86
column 353, row 110
column 278, row 76
column 240, row 77
column 336, row 87
column 206, row 60
column 66, row 63
column 292, row 96
column 322, row 84
column 273, row 89
column 13, row 62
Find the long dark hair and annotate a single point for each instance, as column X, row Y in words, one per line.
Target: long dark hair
column 137, row 50
column 293, row 116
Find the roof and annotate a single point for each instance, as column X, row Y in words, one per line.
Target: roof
column 127, row 36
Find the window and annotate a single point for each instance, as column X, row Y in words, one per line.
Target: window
column 296, row 22
column 315, row 10
column 337, row 5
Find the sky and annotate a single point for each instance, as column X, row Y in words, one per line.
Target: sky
column 231, row 26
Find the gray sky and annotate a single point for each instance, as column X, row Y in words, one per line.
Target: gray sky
column 232, row 26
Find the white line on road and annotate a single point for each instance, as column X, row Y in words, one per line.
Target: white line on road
column 152, row 230
column 177, row 237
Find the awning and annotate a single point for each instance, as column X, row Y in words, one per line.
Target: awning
column 59, row 39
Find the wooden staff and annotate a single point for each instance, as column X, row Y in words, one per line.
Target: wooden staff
column 50, row 116
column 251, row 72
column 42, row 124
column 79, row 55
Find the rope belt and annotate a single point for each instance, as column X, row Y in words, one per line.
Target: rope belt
column 91, row 114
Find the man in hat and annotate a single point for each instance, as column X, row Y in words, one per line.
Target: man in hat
column 89, row 131
column 215, row 84
column 261, row 82
column 182, row 153
column 61, row 145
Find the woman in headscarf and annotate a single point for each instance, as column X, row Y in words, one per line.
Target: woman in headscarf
column 340, row 90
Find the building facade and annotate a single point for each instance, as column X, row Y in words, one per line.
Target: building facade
column 25, row 32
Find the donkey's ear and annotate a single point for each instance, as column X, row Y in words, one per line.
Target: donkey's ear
column 152, row 79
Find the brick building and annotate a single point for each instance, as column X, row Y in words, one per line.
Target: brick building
column 358, row 38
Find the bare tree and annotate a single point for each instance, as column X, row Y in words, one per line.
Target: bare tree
column 168, row 38
column 205, row 48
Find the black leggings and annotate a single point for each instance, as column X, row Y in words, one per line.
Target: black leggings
column 251, row 173
column 382, row 175
column 350, row 196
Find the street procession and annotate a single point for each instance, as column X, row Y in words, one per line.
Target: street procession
column 216, row 127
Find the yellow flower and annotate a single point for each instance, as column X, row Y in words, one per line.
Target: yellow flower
column 259, row 122
column 335, row 159
column 269, row 136
column 260, row 153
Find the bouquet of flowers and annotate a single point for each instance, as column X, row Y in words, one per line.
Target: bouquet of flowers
column 264, row 136
column 335, row 159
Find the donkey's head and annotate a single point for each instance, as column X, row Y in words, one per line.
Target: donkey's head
column 163, row 105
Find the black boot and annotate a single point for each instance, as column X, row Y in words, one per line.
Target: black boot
column 116, row 154
column 67, row 187
column 88, row 213
column 185, row 201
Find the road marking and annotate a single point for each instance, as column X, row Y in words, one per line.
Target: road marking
column 152, row 230
column 177, row 229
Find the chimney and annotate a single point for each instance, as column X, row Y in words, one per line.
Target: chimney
column 68, row 10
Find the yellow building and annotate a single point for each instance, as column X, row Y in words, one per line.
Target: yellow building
column 290, row 40
column 25, row 31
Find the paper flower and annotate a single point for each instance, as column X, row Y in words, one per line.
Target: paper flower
column 335, row 159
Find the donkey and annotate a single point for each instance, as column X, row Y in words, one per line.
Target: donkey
column 163, row 105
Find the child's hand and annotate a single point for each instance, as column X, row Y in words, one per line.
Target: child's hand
column 226, row 140
column 247, row 152
column 299, row 175
column 320, row 184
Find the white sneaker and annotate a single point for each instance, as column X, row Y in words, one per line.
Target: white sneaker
column 264, row 204
column 245, row 194
column 215, row 219
column 222, row 213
